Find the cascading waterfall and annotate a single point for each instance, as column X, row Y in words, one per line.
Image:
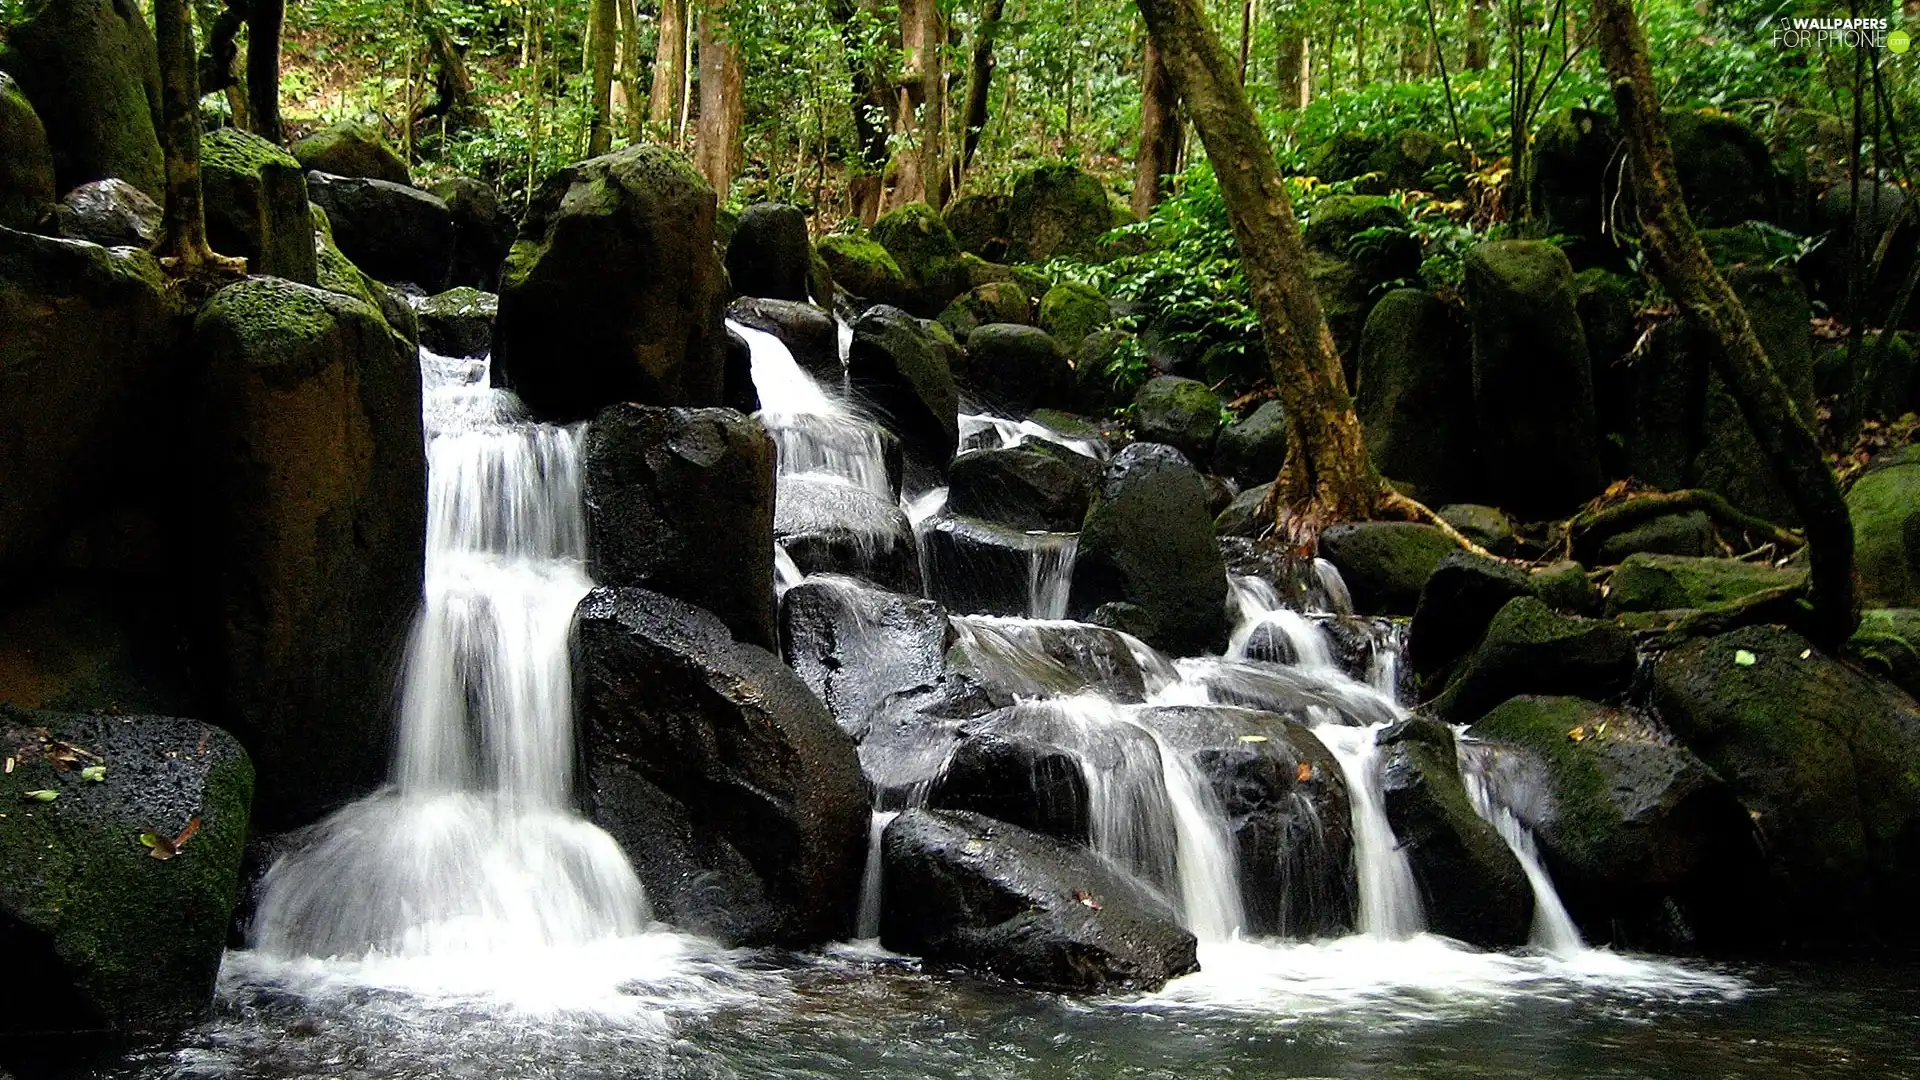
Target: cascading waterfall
column 1553, row 929
column 474, row 847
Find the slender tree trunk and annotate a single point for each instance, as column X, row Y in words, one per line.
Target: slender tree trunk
column 1681, row 263
column 1161, row 132
column 1295, row 74
column 979, row 86
column 717, row 152
column 602, row 30
column 1359, row 46
column 263, row 68
column 1247, row 9
column 669, row 67
column 1478, row 54
column 184, row 239
column 920, row 112
column 1327, row 474
column 630, row 71
column 872, row 108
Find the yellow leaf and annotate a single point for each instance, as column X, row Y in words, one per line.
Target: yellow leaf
column 1744, row 658
column 1253, row 738
column 1578, row 734
column 1306, row 772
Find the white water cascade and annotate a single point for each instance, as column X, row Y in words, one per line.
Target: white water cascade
column 474, row 847
column 1553, row 929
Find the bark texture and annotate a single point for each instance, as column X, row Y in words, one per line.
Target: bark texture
column 1161, row 133
column 718, row 151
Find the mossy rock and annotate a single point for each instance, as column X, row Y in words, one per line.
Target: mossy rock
column 1417, row 160
column 1347, row 156
column 1414, row 396
column 1723, row 166
column 1896, row 374
column 351, row 148
column 1578, row 190
column 768, row 254
column 1357, row 245
column 1385, row 563
column 924, row 249
column 256, row 204
column 1071, row 310
column 898, row 364
column 1691, row 533
column 1018, row 368
column 26, row 161
column 1609, row 319
column 1565, row 587
column 1885, row 506
column 1649, row 582
column 1888, row 642
column 1252, row 449
column 92, row 73
column 1488, row 526
column 1531, row 649
column 979, row 224
column 1182, row 413
column 1056, row 210
column 862, row 267
column 996, row 302
column 458, row 322
column 113, row 937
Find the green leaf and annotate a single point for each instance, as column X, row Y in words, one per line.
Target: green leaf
column 1744, row 658
column 42, row 795
column 94, row 774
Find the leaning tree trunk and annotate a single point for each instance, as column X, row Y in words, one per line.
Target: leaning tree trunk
column 263, row 67
column 979, row 86
column 717, row 151
column 1681, row 263
column 604, row 51
column 1327, row 474
column 669, row 67
column 1161, row 133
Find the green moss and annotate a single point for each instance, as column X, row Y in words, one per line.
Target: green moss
column 859, row 264
column 1072, row 310
column 1334, row 221
column 232, row 150
column 1564, row 586
column 1055, row 210
column 351, row 148
column 1587, row 819
column 1888, row 642
column 1885, row 506
column 1647, row 582
column 925, row 251
column 996, row 302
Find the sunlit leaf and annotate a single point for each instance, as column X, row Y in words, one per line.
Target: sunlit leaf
column 1744, row 658
column 94, row 774
column 1578, row 734
column 42, row 795
column 1304, row 773
column 1253, row 738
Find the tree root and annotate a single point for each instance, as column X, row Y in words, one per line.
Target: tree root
column 1786, row 605
column 1593, row 527
column 1415, row 510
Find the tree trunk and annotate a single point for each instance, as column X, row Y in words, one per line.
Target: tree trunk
column 669, row 67
column 184, row 240
column 263, row 68
column 920, row 108
column 1247, row 8
column 1295, row 74
column 717, row 152
column 630, row 71
column 604, row 50
column 1161, row 132
column 979, row 86
column 1681, row 263
column 1478, row 54
column 1327, row 475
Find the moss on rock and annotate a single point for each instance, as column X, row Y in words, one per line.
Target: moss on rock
column 1056, row 210
column 256, row 204
column 351, row 148
column 927, row 255
column 26, row 161
column 1071, row 310
column 1885, row 506
column 862, row 267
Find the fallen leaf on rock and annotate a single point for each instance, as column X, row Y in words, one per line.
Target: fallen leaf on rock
column 1744, row 658
column 162, row 848
column 1304, row 773
column 1086, row 898
column 1578, row 734
column 94, row 774
column 1253, row 738
column 42, row 795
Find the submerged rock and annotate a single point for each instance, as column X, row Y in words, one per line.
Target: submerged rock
column 98, row 932
column 1148, row 561
column 964, row 890
column 737, row 797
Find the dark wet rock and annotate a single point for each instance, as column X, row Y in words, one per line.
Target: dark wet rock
column 26, row 161
column 256, row 205
column 983, row 305
column 979, row 568
column 1019, row 368
column 1488, row 526
column 394, row 232
column 1471, row 886
column 1528, row 649
column 613, row 291
column 111, row 213
column 458, row 322
column 1017, row 779
column 1647, row 846
column 965, row 890
column 483, row 231
column 927, row 255
column 1460, row 598
column 351, row 148
column 1246, row 513
column 1148, row 561
column 1670, row 534
column 1669, row 582
column 1414, row 396
column 1385, row 563
column 99, row 935
column 1182, row 413
column 769, row 254
column 1251, row 449
column 1565, row 587
column 861, row 648
column 680, row 501
column 1056, row 210
column 726, row 780
column 808, row 332
column 90, row 69
column 1022, row 488
column 897, row 366
column 309, row 534
column 828, row 526
column 1822, row 758
column 1885, row 506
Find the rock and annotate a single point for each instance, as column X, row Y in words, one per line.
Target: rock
column 828, row 526
column 1884, row 219
column 895, row 365
column 256, row 202
column 1246, row 515
column 310, row 535
column 90, row 69
column 1385, row 563
column 351, row 148
column 393, row 232
column 1350, row 271
column 1471, row 886
column 1578, row 188
column 862, row 648
column 458, row 322
column 1487, row 526
column 864, row 268
column 111, row 213
column 1344, row 157
column 1565, row 587
column 1019, row 368
column 1723, row 166
column 993, row 302
column 979, row 568
column 965, row 890
column 727, row 782
column 979, row 225
column 1415, row 396
column 1888, row 643
column 1669, row 534
column 809, row 333
column 1148, row 562
column 1056, row 210
column 483, row 231
column 1532, row 382
column 1414, row 160
column 927, row 256
column 1022, row 488
column 680, row 501
column 82, row 901
column 613, row 291
column 1461, row 596
column 1667, row 582
column 1822, row 758
column 26, row 161
column 1070, row 311
column 1017, row 779
column 1528, row 649
column 1252, row 448
column 1647, row 846
column 769, row 254
column 1885, row 505
column 337, row 273
column 1181, row 413
column 1892, row 367
column 1610, row 322
column 1032, row 661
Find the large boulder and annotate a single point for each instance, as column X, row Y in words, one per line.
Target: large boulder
column 90, row 69
column 978, row 567
column 1461, row 596
column 964, row 890
column 1530, row 649
column 829, row 526
column 1056, row 210
column 1414, row 397
column 1148, row 562
column 898, row 367
column 256, row 200
column 111, row 213
column 613, row 291
column 1071, row 310
column 925, row 251
column 1873, row 216
column 769, row 255
column 680, row 501
column 1385, row 563
column 1888, row 644
column 1016, row 778
column 352, row 148
column 1647, row 846
column 26, row 161
column 1885, row 505
column 979, row 224
column 863, row 268
column 1251, row 449
column 1356, row 245
column 860, row 648
column 1579, row 190
column 1182, row 413
column 101, row 932
column 809, row 333
column 1532, row 383
column 1647, row 582
column 985, row 304
column 1019, row 368
column 1822, row 758
column 737, row 797
column 1723, row 166
column 483, row 231
column 1022, row 488
column 310, row 539
column 458, row 322
column 394, row 232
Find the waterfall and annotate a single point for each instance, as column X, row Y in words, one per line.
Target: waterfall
column 474, row 846
column 1553, row 929
column 1389, row 898
column 1050, row 574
